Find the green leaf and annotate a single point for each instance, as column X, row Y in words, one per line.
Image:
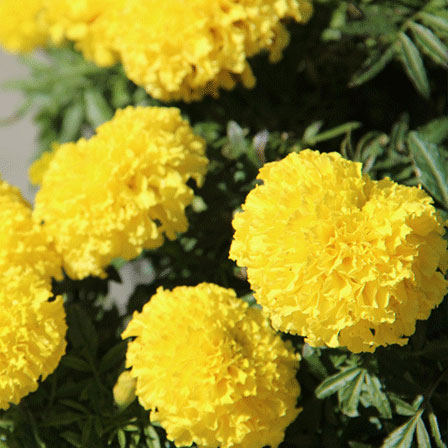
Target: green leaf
column 336, row 382
column 373, row 66
column 72, row 438
column 430, row 43
column 435, row 431
column 436, row 22
column 312, row 357
column 401, row 407
column 422, row 435
column 436, row 131
column 335, row 132
column 431, row 165
column 377, row 397
column 413, row 64
column 76, row 363
column 349, row 396
column 72, row 121
column 61, row 419
column 81, row 330
column 113, row 356
column 152, row 438
column 402, row 437
column 311, row 131
column 121, row 438
column 97, row 109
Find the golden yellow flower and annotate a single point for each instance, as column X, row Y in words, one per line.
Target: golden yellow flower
column 337, row 257
column 176, row 50
column 122, row 190
column 20, row 30
column 32, row 329
column 179, row 51
column 211, row 369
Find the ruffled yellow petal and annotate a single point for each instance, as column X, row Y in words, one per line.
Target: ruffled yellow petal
column 212, row 370
column 337, row 257
column 121, row 191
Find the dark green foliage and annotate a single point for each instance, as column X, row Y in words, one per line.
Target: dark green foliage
column 366, row 78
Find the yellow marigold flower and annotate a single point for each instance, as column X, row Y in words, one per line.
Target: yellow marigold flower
column 212, row 370
column 20, row 30
column 32, row 330
column 122, row 190
column 337, row 257
column 184, row 51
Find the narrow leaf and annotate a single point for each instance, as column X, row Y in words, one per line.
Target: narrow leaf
column 436, row 131
column 72, row 122
column 351, row 397
column 97, row 109
column 402, row 437
column 422, row 435
column 81, row 330
column 435, row 431
column 437, row 23
column 430, row 43
column 378, row 398
column 413, row 64
column 335, row 132
column 336, row 382
column 372, row 67
column 431, row 166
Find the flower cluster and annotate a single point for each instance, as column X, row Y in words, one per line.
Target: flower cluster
column 122, row 190
column 173, row 50
column 32, row 329
column 232, row 385
column 337, row 257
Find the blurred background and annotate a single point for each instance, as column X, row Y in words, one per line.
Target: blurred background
column 16, row 137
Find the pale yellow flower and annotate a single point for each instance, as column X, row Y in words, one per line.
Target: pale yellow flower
column 211, row 369
column 337, row 257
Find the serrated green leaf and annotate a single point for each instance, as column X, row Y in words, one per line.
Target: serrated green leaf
column 430, row 43
column 350, row 395
column 401, row 407
column 336, row 382
column 97, row 108
column 422, row 435
column 435, row 431
column 72, row 120
column 403, row 436
column 436, row 22
column 335, row 132
column 413, row 65
column 431, row 165
column 377, row 397
column 436, row 131
column 373, row 66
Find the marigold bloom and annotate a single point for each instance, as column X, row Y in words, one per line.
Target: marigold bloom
column 337, row 257
column 184, row 51
column 176, row 50
column 122, row 190
column 20, row 30
column 212, row 370
column 32, row 330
